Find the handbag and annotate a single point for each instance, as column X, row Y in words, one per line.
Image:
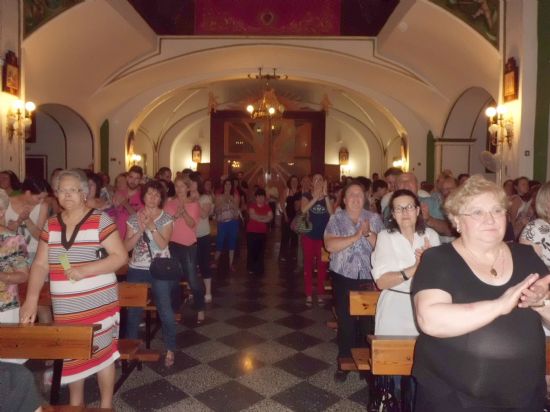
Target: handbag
column 301, row 223
column 163, row 268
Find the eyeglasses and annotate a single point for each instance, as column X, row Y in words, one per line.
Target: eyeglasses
column 402, row 209
column 479, row 215
column 70, row 192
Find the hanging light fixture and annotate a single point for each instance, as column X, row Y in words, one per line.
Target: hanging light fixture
column 268, row 106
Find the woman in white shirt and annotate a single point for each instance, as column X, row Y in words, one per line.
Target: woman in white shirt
column 394, row 262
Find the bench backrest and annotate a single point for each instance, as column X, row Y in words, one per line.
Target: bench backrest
column 363, row 303
column 394, row 355
column 133, row 295
column 53, row 341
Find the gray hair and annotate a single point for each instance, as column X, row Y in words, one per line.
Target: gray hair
column 4, row 200
column 542, row 202
column 77, row 174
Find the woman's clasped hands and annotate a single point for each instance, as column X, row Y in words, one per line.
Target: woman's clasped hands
column 536, row 295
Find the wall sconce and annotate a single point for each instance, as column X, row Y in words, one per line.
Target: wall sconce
column 135, row 158
column 501, row 127
column 19, row 119
column 398, row 162
column 196, row 154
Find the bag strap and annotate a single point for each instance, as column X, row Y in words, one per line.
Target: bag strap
column 147, row 242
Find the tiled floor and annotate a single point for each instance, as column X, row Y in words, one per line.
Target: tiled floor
column 260, row 349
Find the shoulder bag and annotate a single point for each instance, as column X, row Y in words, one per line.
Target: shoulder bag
column 163, row 268
column 301, row 223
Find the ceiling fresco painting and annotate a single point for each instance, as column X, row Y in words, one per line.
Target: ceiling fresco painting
column 481, row 15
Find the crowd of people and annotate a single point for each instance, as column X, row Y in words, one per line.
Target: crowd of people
column 461, row 263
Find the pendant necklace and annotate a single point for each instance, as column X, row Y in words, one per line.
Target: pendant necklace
column 492, row 271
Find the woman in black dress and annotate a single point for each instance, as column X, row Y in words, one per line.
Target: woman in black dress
column 479, row 304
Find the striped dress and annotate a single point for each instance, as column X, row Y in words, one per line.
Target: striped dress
column 90, row 300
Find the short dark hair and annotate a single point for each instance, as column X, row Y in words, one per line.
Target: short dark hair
column 136, row 169
column 519, row 179
column 196, row 177
column 392, row 226
column 98, row 183
column 393, row 171
column 155, row 185
column 34, row 185
column 164, row 169
column 379, row 184
column 365, row 182
column 259, row 192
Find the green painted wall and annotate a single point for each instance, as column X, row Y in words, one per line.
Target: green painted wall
column 430, row 158
column 540, row 149
column 104, row 146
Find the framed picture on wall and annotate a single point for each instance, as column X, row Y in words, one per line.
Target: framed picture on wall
column 10, row 74
column 510, row 80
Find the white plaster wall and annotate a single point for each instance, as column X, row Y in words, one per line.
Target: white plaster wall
column 10, row 152
column 50, row 142
column 521, row 43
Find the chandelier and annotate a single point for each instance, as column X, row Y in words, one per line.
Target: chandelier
column 268, row 106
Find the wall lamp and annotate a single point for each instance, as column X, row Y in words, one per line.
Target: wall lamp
column 19, row 119
column 501, row 125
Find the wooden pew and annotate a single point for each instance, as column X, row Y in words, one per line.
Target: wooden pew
column 394, row 355
column 391, row 355
column 53, row 341
column 361, row 303
column 134, row 295
column 132, row 353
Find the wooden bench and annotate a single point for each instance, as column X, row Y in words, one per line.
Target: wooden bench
column 361, row 303
column 53, row 341
column 391, row 355
column 132, row 352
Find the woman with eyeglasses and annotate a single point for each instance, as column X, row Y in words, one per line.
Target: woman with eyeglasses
column 395, row 260
column 479, row 304
column 82, row 285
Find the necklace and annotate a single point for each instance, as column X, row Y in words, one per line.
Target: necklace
column 492, row 271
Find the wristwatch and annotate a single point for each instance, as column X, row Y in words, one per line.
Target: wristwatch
column 404, row 275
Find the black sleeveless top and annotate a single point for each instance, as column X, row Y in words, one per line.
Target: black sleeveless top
column 499, row 365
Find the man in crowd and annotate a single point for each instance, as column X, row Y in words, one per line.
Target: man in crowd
column 135, row 175
column 165, row 174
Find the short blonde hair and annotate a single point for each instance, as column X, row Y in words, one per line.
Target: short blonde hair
column 542, row 202
column 474, row 186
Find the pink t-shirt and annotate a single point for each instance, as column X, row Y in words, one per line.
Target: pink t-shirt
column 182, row 233
column 135, row 201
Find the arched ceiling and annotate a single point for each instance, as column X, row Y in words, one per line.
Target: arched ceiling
column 113, row 65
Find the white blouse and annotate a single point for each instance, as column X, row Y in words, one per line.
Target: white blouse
column 393, row 253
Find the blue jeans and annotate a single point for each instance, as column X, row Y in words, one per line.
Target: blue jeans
column 162, row 291
column 203, row 256
column 187, row 256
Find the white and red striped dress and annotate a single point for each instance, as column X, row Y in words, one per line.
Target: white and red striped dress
column 91, row 300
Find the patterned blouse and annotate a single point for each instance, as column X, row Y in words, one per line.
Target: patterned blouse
column 354, row 261
column 537, row 232
column 141, row 258
column 13, row 255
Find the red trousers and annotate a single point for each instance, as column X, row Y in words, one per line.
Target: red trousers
column 312, row 251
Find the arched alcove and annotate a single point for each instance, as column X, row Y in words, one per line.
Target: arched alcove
column 62, row 139
column 465, row 133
